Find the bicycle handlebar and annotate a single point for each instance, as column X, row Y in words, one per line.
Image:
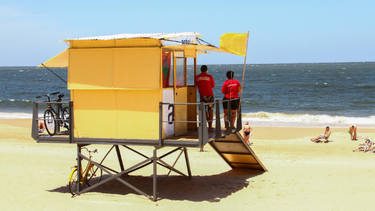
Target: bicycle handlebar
column 93, row 151
column 90, row 156
column 54, row 93
column 47, row 95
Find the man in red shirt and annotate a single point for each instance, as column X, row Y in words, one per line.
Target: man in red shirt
column 205, row 82
column 231, row 88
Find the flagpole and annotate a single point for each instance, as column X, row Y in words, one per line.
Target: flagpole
column 244, row 66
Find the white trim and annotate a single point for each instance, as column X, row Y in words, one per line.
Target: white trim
column 141, row 35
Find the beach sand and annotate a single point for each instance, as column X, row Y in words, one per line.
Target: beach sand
column 301, row 175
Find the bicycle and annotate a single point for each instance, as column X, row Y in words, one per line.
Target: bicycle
column 89, row 176
column 54, row 119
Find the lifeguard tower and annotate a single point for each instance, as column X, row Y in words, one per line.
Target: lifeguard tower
column 133, row 89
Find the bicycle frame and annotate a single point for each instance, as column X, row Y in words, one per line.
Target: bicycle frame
column 83, row 173
column 86, row 176
column 59, row 113
column 57, row 117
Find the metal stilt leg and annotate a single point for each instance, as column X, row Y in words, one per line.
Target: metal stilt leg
column 187, row 162
column 155, row 175
column 79, row 168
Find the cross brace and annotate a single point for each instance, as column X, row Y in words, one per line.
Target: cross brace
column 154, row 159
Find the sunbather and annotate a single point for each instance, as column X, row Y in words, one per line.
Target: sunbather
column 325, row 136
column 367, row 146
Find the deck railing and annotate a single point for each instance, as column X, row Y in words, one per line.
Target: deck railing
column 202, row 128
column 203, row 134
column 202, row 120
column 37, row 117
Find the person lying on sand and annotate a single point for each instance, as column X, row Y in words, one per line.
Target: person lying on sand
column 367, row 146
column 325, row 136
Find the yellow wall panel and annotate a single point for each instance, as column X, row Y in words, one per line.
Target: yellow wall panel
column 137, row 68
column 116, row 114
column 94, row 113
column 93, row 123
column 138, row 114
column 90, row 69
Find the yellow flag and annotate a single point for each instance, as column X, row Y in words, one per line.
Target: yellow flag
column 234, row 43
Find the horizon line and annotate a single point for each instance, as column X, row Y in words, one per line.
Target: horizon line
column 236, row 64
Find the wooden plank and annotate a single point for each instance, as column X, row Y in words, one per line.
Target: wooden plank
column 236, row 152
column 231, row 147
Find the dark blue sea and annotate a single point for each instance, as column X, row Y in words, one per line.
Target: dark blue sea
column 313, row 94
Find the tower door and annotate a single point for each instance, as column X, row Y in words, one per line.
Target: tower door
column 180, row 95
column 181, row 111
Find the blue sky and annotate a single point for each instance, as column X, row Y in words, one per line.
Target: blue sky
column 280, row 31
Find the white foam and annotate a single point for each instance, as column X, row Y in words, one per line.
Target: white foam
column 306, row 119
column 266, row 119
column 5, row 115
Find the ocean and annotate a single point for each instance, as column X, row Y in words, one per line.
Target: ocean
column 314, row 94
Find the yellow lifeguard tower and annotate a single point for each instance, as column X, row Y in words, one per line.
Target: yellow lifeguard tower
column 132, row 89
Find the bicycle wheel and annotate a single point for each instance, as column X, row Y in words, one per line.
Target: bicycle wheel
column 50, row 122
column 65, row 117
column 73, row 181
column 94, row 176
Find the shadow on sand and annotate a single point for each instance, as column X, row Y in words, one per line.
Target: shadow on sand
column 200, row 188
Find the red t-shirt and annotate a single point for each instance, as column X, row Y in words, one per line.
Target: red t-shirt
column 230, row 88
column 205, row 82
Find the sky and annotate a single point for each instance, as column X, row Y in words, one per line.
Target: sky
column 280, row 31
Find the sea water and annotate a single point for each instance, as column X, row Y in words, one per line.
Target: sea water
column 316, row 94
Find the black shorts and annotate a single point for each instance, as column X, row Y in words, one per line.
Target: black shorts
column 233, row 104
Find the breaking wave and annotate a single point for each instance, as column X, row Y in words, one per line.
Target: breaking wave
column 281, row 119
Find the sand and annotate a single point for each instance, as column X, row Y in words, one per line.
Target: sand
column 301, row 175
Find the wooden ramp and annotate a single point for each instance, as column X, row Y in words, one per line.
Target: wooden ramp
column 236, row 152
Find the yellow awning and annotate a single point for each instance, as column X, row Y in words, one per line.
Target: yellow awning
column 60, row 60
